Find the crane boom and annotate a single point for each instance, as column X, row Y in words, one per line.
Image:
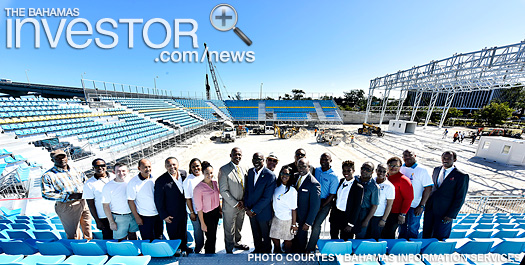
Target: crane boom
column 213, row 77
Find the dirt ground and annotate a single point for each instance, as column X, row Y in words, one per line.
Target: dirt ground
column 486, row 177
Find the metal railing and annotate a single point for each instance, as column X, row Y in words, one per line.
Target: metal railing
column 494, row 204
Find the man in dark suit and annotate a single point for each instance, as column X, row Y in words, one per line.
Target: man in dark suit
column 347, row 206
column 170, row 201
column 299, row 153
column 258, row 193
column 308, row 203
column 447, row 197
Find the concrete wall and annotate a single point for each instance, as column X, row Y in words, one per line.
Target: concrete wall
column 502, row 149
column 401, row 126
column 358, row 117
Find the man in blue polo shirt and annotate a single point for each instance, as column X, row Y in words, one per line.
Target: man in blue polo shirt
column 329, row 183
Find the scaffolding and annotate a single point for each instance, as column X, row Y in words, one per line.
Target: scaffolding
column 486, row 70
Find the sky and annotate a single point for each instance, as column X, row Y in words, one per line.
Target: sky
column 319, row 47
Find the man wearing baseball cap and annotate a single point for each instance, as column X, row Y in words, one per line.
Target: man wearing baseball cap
column 272, row 161
column 64, row 185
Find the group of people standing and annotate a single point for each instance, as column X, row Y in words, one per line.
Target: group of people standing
column 281, row 206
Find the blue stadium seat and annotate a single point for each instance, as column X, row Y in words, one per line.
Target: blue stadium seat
column 39, row 226
column 463, row 226
column 458, row 233
column 60, row 247
column 54, row 235
column 509, row 246
column 439, row 248
column 17, row 247
column 371, row 248
column 468, row 246
column 34, row 259
column 482, row 233
column 20, row 226
column 9, row 213
column 337, row 248
column 506, row 226
column 158, row 249
column 10, row 258
column 86, row 260
column 408, row 247
column 89, row 248
column 138, row 260
column 357, row 242
column 391, row 242
column 322, row 242
column 485, row 226
column 20, row 234
column 125, row 248
column 507, row 233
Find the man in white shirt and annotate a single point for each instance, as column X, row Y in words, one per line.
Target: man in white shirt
column 142, row 203
column 116, row 207
column 387, row 194
column 93, row 196
column 422, row 186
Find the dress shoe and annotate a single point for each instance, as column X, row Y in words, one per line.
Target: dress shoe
column 242, row 247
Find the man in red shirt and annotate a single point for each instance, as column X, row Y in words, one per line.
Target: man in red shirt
column 404, row 197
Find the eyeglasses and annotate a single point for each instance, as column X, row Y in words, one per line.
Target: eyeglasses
column 394, row 166
column 367, row 169
column 97, row 166
column 272, row 160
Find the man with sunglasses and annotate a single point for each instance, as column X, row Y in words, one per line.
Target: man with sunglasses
column 93, row 196
column 299, row 153
column 370, row 199
column 271, row 162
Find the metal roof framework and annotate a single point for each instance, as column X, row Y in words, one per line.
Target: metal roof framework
column 487, row 69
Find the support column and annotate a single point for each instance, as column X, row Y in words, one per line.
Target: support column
column 431, row 106
column 388, row 88
column 448, row 102
column 417, row 100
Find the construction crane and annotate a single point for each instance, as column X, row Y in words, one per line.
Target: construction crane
column 213, row 77
column 207, row 88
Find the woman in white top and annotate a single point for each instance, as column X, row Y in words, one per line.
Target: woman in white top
column 284, row 203
column 189, row 185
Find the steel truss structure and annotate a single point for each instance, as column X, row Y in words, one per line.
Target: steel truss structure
column 485, row 70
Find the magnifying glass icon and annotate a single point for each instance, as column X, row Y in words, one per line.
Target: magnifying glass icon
column 223, row 17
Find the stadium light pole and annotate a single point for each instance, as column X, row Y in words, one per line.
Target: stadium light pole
column 155, row 81
column 83, row 85
column 260, row 94
column 27, row 76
